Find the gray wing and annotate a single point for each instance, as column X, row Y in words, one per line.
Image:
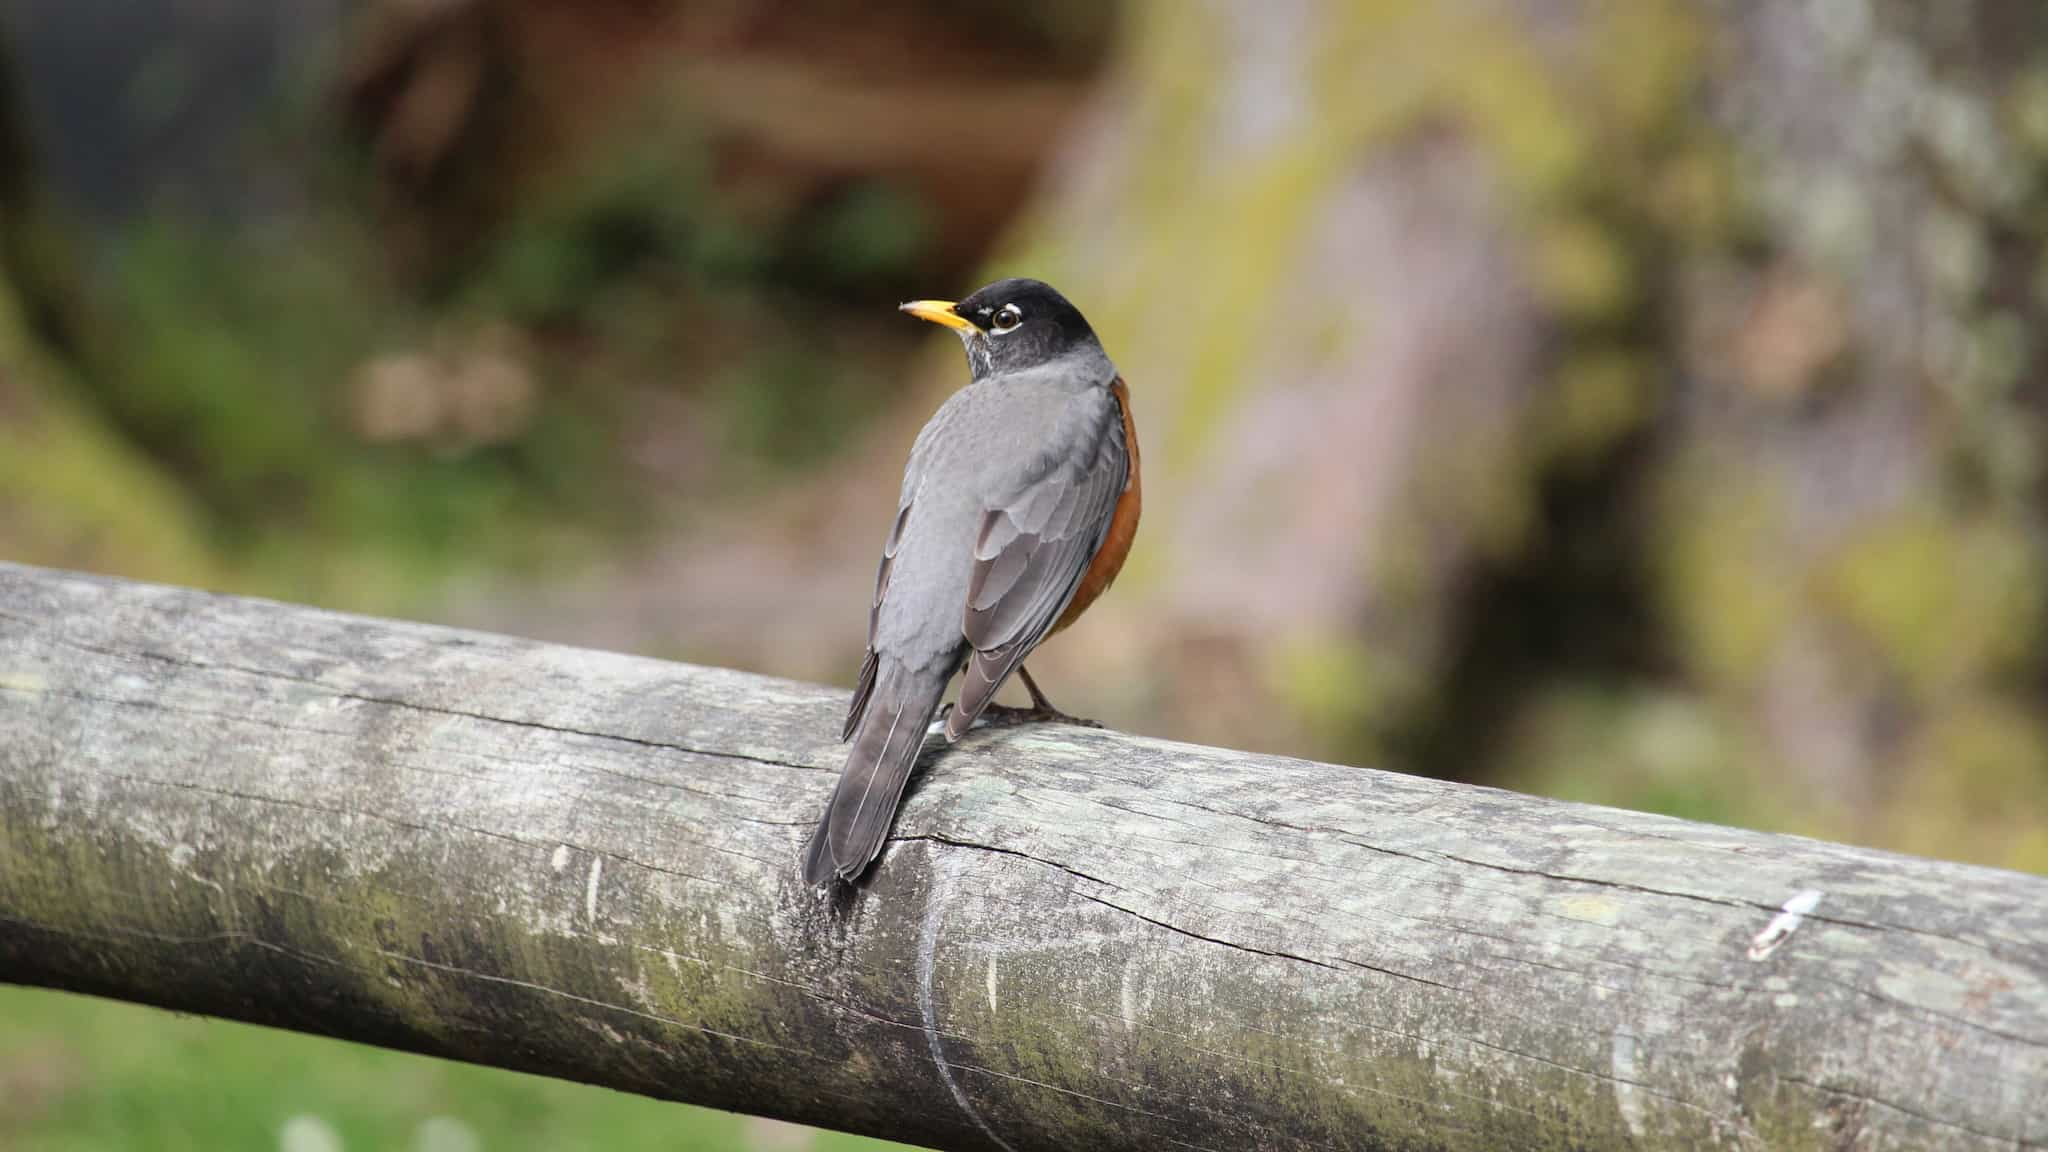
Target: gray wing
column 929, row 440
column 1036, row 540
column 864, row 687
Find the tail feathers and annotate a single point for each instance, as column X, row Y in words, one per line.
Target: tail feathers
column 885, row 746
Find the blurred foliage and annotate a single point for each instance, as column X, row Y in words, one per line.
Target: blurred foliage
column 343, row 436
column 98, row 503
column 232, row 355
column 637, row 267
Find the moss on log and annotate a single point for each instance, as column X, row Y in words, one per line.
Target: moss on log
column 582, row 865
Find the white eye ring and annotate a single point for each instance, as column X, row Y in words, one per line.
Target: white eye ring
column 1007, row 319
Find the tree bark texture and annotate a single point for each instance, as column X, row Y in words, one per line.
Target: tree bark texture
column 583, row 865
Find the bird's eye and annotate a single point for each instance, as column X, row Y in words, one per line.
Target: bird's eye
column 1007, row 319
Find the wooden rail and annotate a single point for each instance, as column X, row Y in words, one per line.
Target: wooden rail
column 583, row 865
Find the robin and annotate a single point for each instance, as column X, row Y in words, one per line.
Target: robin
column 1018, row 506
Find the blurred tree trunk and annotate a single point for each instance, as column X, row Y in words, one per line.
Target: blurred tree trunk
column 1375, row 270
column 1850, row 529
column 1644, row 378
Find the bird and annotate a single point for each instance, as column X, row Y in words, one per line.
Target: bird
column 1019, row 503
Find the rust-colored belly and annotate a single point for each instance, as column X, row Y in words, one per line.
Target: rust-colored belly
column 1123, row 526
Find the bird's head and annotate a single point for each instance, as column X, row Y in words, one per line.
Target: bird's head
column 1012, row 325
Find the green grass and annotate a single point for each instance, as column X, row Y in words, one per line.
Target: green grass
column 79, row 1074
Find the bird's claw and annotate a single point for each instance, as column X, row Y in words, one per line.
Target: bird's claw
column 1000, row 716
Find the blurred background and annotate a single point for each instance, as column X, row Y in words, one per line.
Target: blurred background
column 1636, row 401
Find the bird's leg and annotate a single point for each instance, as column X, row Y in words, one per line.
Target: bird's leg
column 1041, row 709
column 1038, row 700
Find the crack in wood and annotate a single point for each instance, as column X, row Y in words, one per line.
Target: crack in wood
column 1511, row 973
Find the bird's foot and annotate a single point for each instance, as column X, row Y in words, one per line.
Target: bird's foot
column 1000, row 716
column 1041, row 710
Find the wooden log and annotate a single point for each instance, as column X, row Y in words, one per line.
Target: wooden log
column 584, row 865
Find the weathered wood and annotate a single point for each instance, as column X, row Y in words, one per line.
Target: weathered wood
column 583, row 864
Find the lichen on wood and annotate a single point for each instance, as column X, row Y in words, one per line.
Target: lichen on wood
column 583, row 865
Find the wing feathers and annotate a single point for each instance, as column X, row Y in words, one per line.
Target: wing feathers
column 864, row 688
column 1034, row 546
column 995, row 578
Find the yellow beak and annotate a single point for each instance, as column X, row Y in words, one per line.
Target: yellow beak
column 938, row 312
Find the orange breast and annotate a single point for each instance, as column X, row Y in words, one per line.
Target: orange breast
column 1123, row 526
